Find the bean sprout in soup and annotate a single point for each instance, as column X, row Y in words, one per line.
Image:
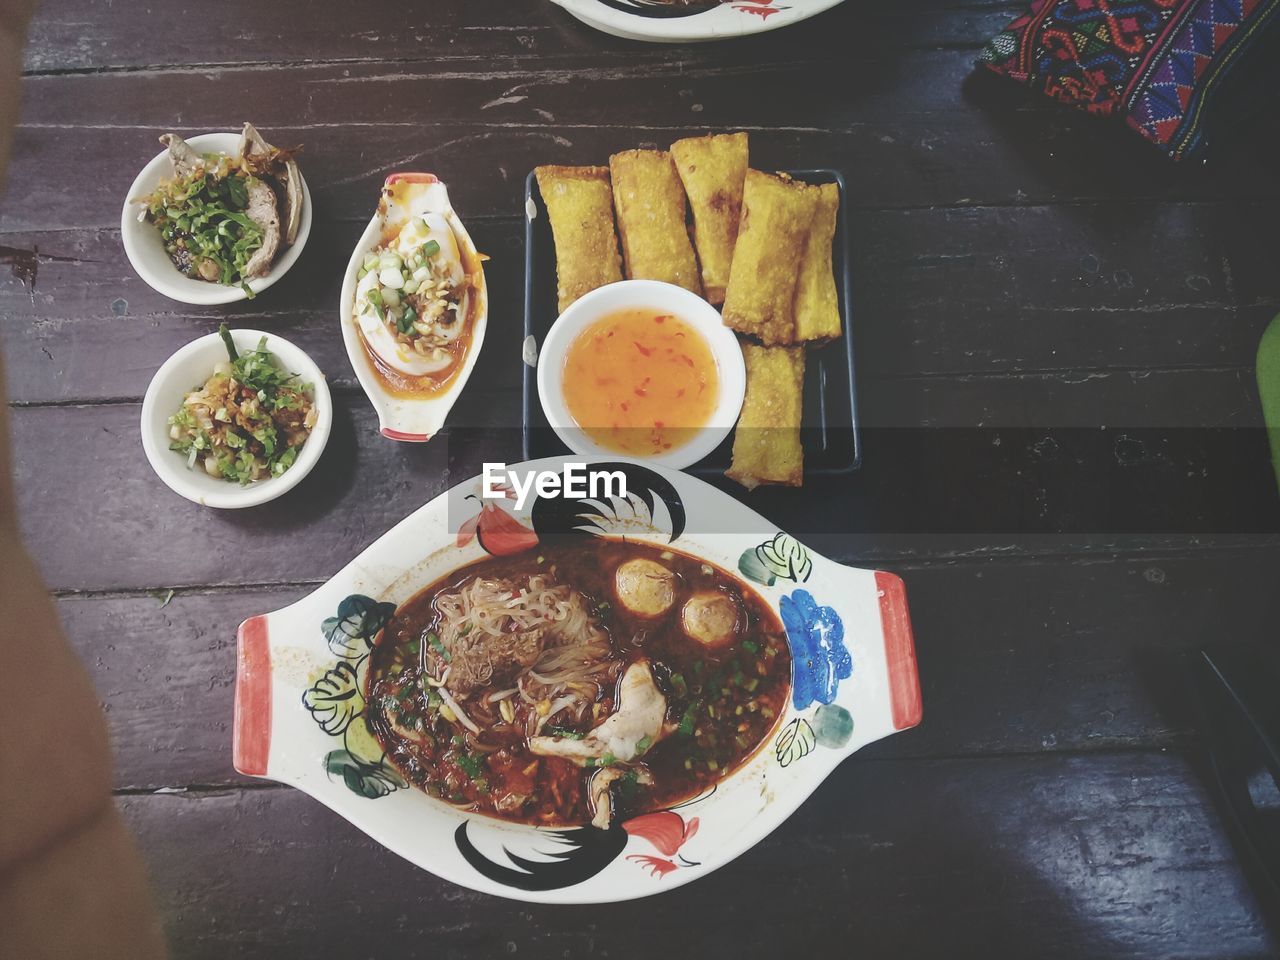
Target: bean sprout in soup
column 583, row 682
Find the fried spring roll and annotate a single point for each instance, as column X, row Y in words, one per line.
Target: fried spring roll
column 650, row 204
column 776, row 214
column 580, row 206
column 766, row 444
column 816, row 306
column 713, row 169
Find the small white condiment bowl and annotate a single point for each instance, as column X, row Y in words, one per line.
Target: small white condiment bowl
column 661, row 298
column 146, row 252
column 187, row 370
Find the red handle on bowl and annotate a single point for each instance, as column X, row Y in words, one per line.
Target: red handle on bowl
column 251, row 728
column 900, row 651
column 407, row 437
column 408, row 177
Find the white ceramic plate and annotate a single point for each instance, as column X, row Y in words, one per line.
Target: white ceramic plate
column 189, row 368
column 302, row 674
column 145, row 249
column 665, row 298
column 657, row 23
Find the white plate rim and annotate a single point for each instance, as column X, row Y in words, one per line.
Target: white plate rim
column 722, row 23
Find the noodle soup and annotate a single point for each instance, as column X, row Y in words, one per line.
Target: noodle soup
column 589, row 681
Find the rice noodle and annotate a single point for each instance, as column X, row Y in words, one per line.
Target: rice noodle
column 575, row 665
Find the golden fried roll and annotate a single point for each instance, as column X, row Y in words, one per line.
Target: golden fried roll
column 713, row 169
column 766, row 444
column 580, row 205
column 776, row 214
column 650, row 204
column 816, row 306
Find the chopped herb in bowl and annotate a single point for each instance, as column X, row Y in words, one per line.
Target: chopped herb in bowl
column 248, row 421
column 204, row 223
column 226, row 218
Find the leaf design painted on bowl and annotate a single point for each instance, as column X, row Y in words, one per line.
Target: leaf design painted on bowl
column 833, row 725
column 795, row 742
column 751, row 567
column 369, row 780
column 335, row 699
column 360, row 741
column 785, row 556
column 359, row 619
column 819, row 658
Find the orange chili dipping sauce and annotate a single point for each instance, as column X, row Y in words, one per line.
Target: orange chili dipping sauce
column 641, row 382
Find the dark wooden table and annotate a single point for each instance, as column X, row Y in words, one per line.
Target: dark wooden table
column 1055, row 331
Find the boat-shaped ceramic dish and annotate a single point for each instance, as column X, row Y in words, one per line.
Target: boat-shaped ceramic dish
column 302, row 673
column 414, row 408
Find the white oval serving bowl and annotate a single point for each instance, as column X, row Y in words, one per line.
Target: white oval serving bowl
column 662, row 298
column 145, row 249
column 189, row 368
column 301, row 680
column 408, row 418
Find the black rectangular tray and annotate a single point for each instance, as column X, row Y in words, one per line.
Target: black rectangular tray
column 832, row 445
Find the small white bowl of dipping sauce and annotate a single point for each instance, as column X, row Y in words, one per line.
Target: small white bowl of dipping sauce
column 644, row 370
column 188, row 370
column 145, row 247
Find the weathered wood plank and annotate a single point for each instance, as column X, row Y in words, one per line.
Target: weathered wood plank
column 793, row 87
column 89, row 34
column 1016, row 657
column 906, row 133
column 121, row 513
column 1042, row 288
column 1048, row 858
column 1024, row 291
column 930, row 490
column 1114, row 399
column 166, row 678
column 91, row 305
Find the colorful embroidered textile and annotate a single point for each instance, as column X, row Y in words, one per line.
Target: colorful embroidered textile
column 1154, row 62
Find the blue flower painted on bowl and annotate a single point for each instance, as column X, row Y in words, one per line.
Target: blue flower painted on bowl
column 820, row 660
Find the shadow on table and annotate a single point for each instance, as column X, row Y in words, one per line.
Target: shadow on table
column 417, row 467
column 1220, row 749
column 925, row 886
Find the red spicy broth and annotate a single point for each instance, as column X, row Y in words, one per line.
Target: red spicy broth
column 441, row 702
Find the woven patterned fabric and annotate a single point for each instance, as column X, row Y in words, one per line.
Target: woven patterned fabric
column 1153, row 62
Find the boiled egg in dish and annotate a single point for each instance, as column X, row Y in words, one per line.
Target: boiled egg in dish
column 411, row 298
